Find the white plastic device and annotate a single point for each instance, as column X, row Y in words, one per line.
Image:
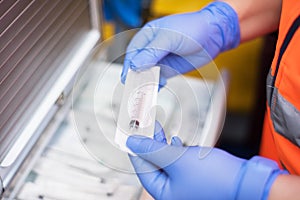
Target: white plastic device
column 137, row 110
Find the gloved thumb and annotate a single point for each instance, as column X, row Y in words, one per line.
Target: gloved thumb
column 157, row 153
column 150, row 176
column 143, row 145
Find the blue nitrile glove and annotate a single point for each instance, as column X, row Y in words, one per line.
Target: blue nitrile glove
column 183, row 42
column 177, row 172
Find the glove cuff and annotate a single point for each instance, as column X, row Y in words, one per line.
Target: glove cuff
column 257, row 177
column 228, row 21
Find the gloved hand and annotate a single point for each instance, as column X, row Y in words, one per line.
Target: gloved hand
column 180, row 43
column 177, row 172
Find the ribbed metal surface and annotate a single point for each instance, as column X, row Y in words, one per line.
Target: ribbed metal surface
column 36, row 38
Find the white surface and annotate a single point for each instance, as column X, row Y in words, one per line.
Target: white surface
column 67, row 171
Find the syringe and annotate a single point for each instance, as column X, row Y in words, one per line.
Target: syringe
column 137, row 110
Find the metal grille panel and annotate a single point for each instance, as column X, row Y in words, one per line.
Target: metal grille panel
column 36, row 38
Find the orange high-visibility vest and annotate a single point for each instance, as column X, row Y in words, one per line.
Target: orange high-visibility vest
column 281, row 133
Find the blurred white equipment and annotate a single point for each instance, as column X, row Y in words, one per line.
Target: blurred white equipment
column 190, row 108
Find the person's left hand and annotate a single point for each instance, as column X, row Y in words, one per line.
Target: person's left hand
column 183, row 42
column 178, row 172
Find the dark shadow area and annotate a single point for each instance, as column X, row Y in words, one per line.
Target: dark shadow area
column 241, row 134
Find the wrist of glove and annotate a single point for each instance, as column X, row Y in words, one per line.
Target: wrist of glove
column 183, row 42
column 256, row 178
column 226, row 25
column 177, row 172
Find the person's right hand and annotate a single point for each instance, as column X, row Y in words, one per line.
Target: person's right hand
column 180, row 43
column 174, row 171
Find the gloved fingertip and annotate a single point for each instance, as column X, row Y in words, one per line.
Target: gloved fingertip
column 133, row 66
column 158, row 128
column 176, row 141
column 133, row 142
column 139, row 67
column 139, row 63
column 160, row 137
column 162, row 82
column 124, row 72
column 159, row 134
column 123, row 78
column 143, row 146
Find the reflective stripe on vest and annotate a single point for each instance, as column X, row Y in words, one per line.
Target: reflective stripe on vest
column 285, row 116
